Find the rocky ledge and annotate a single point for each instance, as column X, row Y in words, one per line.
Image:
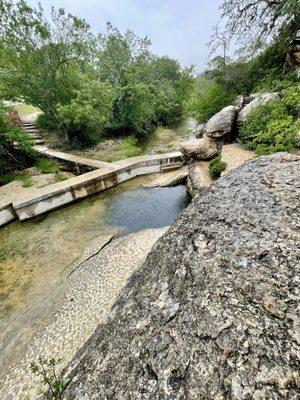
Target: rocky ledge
column 212, row 312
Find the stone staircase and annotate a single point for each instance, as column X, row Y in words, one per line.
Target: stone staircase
column 33, row 132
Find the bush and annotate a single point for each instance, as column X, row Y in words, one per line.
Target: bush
column 216, row 166
column 274, row 127
column 45, row 123
column 208, row 98
column 12, row 158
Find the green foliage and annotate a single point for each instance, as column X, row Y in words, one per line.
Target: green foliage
column 11, row 157
column 274, row 127
column 86, row 83
column 47, row 166
column 54, row 382
column 216, row 166
column 208, row 98
column 134, row 109
column 127, row 149
column 41, row 59
column 17, row 176
column 46, row 122
column 88, row 112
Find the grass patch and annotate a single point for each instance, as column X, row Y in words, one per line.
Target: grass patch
column 24, row 110
column 60, row 177
column 127, row 149
column 22, row 177
column 216, row 166
column 26, row 180
column 47, row 166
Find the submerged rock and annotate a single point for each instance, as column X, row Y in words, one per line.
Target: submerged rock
column 200, row 149
column 212, row 312
column 222, row 123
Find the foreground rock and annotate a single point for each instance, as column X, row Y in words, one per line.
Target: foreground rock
column 222, row 123
column 212, row 312
column 259, row 100
column 200, row 149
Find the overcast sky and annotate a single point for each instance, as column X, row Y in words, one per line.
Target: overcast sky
column 177, row 28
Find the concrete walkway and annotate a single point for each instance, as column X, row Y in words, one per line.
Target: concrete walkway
column 105, row 175
column 94, row 164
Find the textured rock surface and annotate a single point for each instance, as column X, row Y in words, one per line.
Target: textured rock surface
column 259, row 99
column 212, row 312
column 222, row 123
column 198, row 178
column 200, row 149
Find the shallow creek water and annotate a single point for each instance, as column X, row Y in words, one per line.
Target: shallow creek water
column 35, row 255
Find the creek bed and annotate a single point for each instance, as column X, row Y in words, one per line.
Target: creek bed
column 35, row 256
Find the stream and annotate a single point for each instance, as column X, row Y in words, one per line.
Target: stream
column 36, row 255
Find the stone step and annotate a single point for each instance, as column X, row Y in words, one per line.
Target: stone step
column 28, row 126
column 35, row 135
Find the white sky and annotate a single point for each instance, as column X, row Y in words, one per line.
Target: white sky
column 177, row 28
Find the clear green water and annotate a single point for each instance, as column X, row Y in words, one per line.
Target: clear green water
column 34, row 255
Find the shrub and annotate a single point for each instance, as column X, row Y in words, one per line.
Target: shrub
column 274, row 127
column 12, row 158
column 45, row 123
column 208, row 98
column 216, row 166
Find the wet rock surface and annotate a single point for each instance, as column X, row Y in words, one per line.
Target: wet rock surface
column 212, row 312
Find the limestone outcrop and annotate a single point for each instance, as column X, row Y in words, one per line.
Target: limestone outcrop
column 222, row 123
column 198, row 178
column 259, row 99
column 212, row 312
column 200, row 149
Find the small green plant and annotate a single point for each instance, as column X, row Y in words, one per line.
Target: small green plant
column 60, row 177
column 216, row 166
column 17, row 176
column 25, row 179
column 54, row 382
column 47, row 166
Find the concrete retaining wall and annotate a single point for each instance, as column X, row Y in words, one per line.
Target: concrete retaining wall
column 62, row 193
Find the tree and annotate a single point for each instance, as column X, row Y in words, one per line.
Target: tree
column 86, row 115
column 258, row 20
column 12, row 157
column 40, row 59
column 218, row 40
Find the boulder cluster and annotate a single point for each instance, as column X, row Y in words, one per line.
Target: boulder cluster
column 222, row 127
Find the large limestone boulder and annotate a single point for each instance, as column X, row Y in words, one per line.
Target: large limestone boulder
column 222, row 123
column 212, row 312
column 258, row 100
column 200, row 149
column 198, row 178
